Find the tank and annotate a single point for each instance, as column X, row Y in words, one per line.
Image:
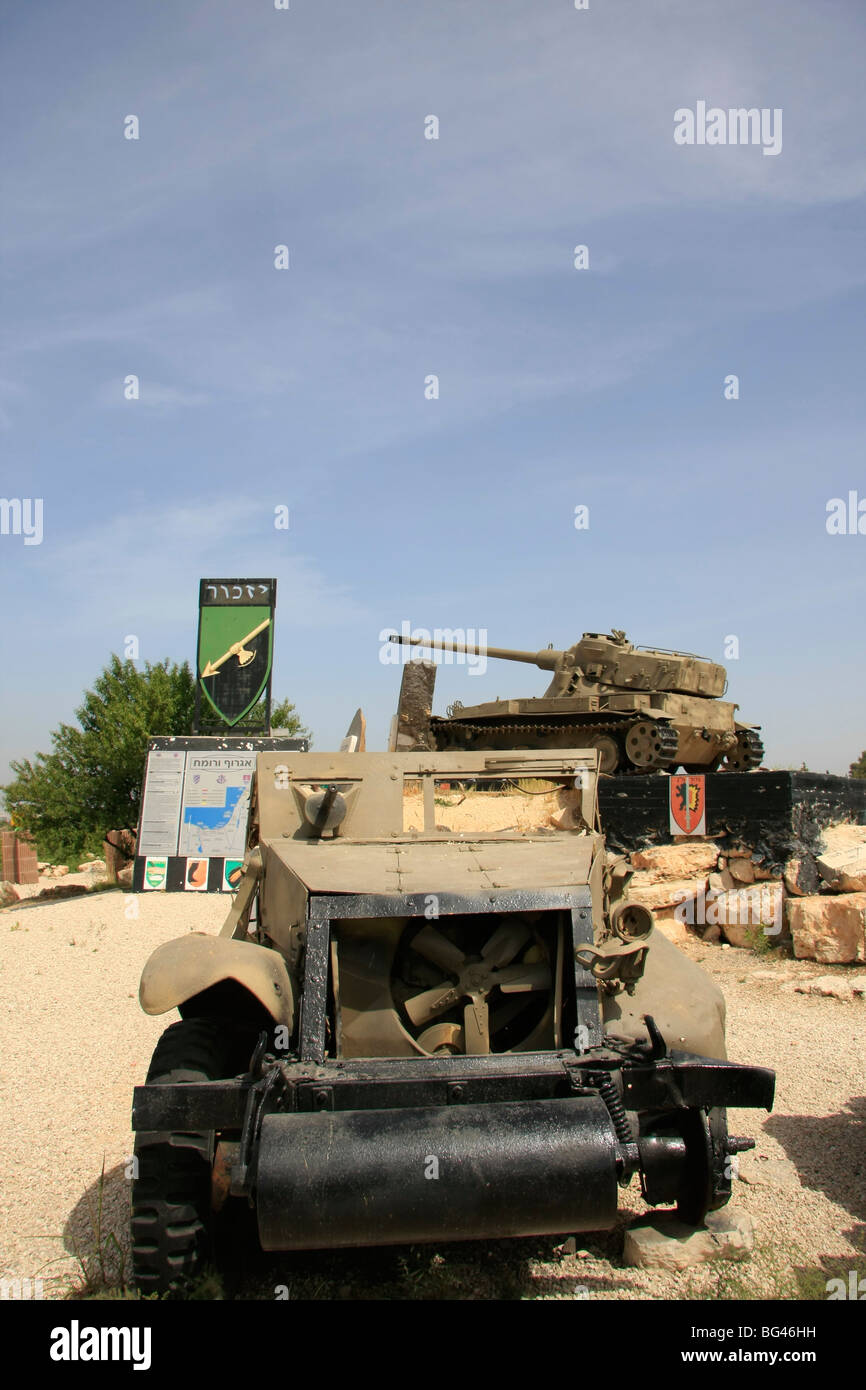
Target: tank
column 643, row 709
column 432, row 1013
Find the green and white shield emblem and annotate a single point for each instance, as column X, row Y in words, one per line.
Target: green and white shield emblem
column 235, row 649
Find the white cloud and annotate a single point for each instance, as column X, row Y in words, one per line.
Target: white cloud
column 152, row 394
column 142, row 565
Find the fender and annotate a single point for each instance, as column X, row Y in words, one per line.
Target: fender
column 687, row 1005
column 184, row 967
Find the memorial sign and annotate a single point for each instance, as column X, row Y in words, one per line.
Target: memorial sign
column 235, row 651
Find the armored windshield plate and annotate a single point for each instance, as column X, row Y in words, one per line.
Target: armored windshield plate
column 430, row 867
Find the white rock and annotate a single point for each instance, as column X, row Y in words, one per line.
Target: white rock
column 766, row 1172
column 663, row 1242
column 842, row 864
column 848, row 987
column 829, row 929
column 670, row 926
column 677, row 861
column 747, row 912
column 643, row 888
column 8, row 894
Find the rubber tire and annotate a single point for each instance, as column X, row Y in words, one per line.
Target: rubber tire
column 172, row 1221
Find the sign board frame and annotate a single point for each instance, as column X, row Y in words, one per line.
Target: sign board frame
column 164, row 861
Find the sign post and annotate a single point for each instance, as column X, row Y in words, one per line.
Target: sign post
column 195, row 802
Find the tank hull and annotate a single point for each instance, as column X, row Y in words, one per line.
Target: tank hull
column 706, row 730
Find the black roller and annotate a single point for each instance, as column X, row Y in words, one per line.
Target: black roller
column 462, row 1172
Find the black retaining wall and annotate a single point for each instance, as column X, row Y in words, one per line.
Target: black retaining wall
column 779, row 814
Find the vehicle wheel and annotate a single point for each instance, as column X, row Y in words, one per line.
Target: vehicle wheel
column 709, row 1184
column 610, row 753
column 172, row 1221
column 747, row 752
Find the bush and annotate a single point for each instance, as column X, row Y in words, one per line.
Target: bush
column 91, row 780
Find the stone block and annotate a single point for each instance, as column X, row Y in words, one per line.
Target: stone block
column 643, row 888
column 678, row 861
column 8, row 894
column 801, row 876
column 842, row 863
column 851, row 988
column 829, row 929
column 663, row 1242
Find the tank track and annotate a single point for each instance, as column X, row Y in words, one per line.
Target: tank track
column 664, row 740
column 747, row 752
column 510, row 726
column 591, row 725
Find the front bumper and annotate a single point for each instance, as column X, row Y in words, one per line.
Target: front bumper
column 678, row 1080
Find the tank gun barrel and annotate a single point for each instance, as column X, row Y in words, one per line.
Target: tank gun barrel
column 546, row 660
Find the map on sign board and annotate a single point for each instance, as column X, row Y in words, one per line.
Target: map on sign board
column 216, row 796
column 192, row 831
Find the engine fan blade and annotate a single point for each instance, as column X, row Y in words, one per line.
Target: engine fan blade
column 431, row 1002
column 442, row 1037
column 506, row 941
column 435, row 947
column 476, row 1029
column 518, row 979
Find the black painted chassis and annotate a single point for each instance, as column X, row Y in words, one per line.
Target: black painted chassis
column 679, row 1144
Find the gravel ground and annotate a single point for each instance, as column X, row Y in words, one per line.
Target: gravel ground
column 74, row 1043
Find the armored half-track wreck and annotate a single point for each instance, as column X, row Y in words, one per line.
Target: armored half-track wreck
column 432, row 1014
column 644, row 709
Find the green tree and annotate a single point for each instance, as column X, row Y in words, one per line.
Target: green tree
column 285, row 716
column 91, row 780
column 858, row 769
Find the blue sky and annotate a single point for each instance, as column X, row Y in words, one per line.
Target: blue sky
column 558, row 387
